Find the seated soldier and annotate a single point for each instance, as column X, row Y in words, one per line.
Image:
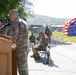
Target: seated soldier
column 41, row 46
column 32, row 39
column 39, row 37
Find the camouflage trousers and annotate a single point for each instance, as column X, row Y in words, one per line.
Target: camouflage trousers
column 22, row 56
column 49, row 40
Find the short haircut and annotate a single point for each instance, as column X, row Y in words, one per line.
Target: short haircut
column 13, row 11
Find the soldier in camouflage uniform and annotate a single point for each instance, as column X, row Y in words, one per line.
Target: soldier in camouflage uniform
column 49, row 36
column 39, row 37
column 19, row 34
column 41, row 46
column 32, row 39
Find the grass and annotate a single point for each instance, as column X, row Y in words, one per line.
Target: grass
column 68, row 38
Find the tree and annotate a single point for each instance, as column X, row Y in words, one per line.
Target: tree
column 7, row 5
column 26, row 8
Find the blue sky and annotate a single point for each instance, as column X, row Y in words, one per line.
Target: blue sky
column 55, row 8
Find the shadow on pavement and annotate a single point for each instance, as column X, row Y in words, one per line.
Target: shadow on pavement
column 50, row 64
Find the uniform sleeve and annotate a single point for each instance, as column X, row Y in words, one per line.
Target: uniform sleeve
column 15, row 31
column 44, row 42
column 24, row 30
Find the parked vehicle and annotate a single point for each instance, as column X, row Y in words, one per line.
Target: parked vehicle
column 36, row 29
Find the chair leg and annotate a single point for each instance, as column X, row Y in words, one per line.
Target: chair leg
column 47, row 61
column 48, row 55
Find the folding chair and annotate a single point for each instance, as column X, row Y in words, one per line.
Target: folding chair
column 46, row 54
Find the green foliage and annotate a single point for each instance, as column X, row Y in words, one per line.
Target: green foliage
column 7, row 5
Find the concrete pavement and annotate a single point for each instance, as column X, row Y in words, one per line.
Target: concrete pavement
column 64, row 57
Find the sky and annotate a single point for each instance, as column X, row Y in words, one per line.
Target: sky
column 55, row 8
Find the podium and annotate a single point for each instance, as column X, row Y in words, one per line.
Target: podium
column 8, row 64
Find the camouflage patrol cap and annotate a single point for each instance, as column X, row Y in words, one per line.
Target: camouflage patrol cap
column 13, row 11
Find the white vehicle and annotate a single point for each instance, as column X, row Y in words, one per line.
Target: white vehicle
column 36, row 29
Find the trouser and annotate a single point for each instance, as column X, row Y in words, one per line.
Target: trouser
column 35, row 51
column 35, row 54
column 49, row 40
column 22, row 62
